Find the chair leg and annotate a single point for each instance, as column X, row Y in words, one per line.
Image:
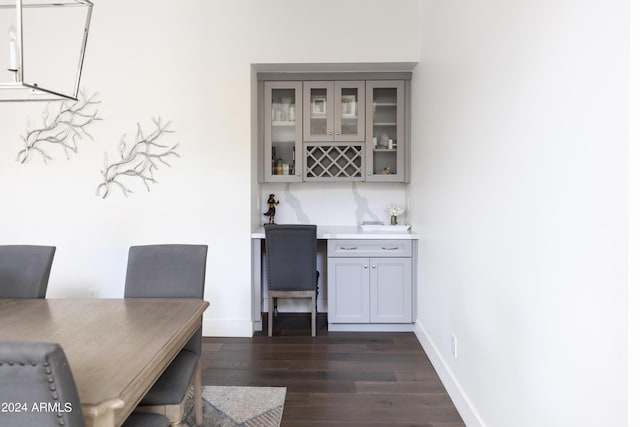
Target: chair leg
column 270, row 326
column 313, row 316
column 197, row 395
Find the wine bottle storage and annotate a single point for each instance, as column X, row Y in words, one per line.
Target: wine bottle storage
column 335, row 162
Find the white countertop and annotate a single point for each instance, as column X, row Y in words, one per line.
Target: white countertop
column 350, row 232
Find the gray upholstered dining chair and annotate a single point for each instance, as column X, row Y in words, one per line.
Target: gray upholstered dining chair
column 291, row 265
column 171, row 271
column 38, row 373
column 25, row 270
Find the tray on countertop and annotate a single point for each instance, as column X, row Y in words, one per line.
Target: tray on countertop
column 385, row 227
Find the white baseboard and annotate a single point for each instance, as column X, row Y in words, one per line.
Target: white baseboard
column 465, row 408
column 370, row 327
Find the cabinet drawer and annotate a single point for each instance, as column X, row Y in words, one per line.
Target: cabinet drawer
column 369, row 248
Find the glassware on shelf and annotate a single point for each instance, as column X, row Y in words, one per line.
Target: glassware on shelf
column 283, row 129
column 385, row 130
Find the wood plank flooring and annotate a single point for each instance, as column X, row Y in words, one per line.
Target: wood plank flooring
column 336, row 378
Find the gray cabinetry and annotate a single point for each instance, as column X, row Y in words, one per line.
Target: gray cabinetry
column 390, row 293
column 369, row 284
column 335, row 161
column 386, row 141
column 348, row 290
column 333, row 111
column 334, row 130
column 282, row 131
column 317, row 129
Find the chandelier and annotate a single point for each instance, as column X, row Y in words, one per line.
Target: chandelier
column 44, row 48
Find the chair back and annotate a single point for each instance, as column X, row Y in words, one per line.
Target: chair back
column 36, row 376
column 25, row 270
column 168, row 271
column 291, row 256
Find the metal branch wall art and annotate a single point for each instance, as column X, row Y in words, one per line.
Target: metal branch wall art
column 64, row 129
column 138, row 161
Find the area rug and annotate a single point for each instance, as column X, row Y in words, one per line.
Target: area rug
column 238, row 407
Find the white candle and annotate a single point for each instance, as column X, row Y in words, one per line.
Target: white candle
column 13, row 50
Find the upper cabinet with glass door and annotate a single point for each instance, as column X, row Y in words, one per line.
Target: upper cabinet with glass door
column 283, row 131
column 385, row 143
column 334, row 111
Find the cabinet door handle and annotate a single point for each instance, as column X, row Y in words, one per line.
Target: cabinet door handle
column 337, row 133
column 373, row 266
column 350, row 248
column 330, row 133
column 391, row 248
column 366, row 266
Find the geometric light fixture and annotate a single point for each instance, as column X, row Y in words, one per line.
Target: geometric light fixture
column 44, row 46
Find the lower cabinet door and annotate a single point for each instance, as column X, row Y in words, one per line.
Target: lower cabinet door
column 391, row 292
column 348, row 290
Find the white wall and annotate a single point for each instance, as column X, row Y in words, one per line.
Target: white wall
column 520, row 197
column 188, row 62
column 634, row 215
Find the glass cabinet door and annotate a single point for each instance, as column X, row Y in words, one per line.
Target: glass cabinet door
column 333, row 111
column 318, row 111
column 349, row 111
column 283, row 131
column 385, row 131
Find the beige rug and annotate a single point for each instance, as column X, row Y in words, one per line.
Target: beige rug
column 239, row 406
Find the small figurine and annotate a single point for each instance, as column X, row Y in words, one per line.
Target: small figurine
column 271, row 211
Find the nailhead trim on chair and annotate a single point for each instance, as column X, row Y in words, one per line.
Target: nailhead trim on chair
column 50, row 380
column 52, row 387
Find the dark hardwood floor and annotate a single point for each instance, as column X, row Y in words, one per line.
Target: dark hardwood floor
column 337, row 378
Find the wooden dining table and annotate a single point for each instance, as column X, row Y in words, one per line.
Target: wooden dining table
column 117, row 348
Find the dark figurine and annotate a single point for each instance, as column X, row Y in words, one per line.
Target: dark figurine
column 271, row 212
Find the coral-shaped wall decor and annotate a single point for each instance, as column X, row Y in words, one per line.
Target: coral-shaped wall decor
column 63, row 129
column 138, row 161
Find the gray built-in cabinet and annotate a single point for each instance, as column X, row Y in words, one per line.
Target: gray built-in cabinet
column 333, row 111
column 335, row 130
column 369, row 284
column 283, row 131
column 385, row 119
